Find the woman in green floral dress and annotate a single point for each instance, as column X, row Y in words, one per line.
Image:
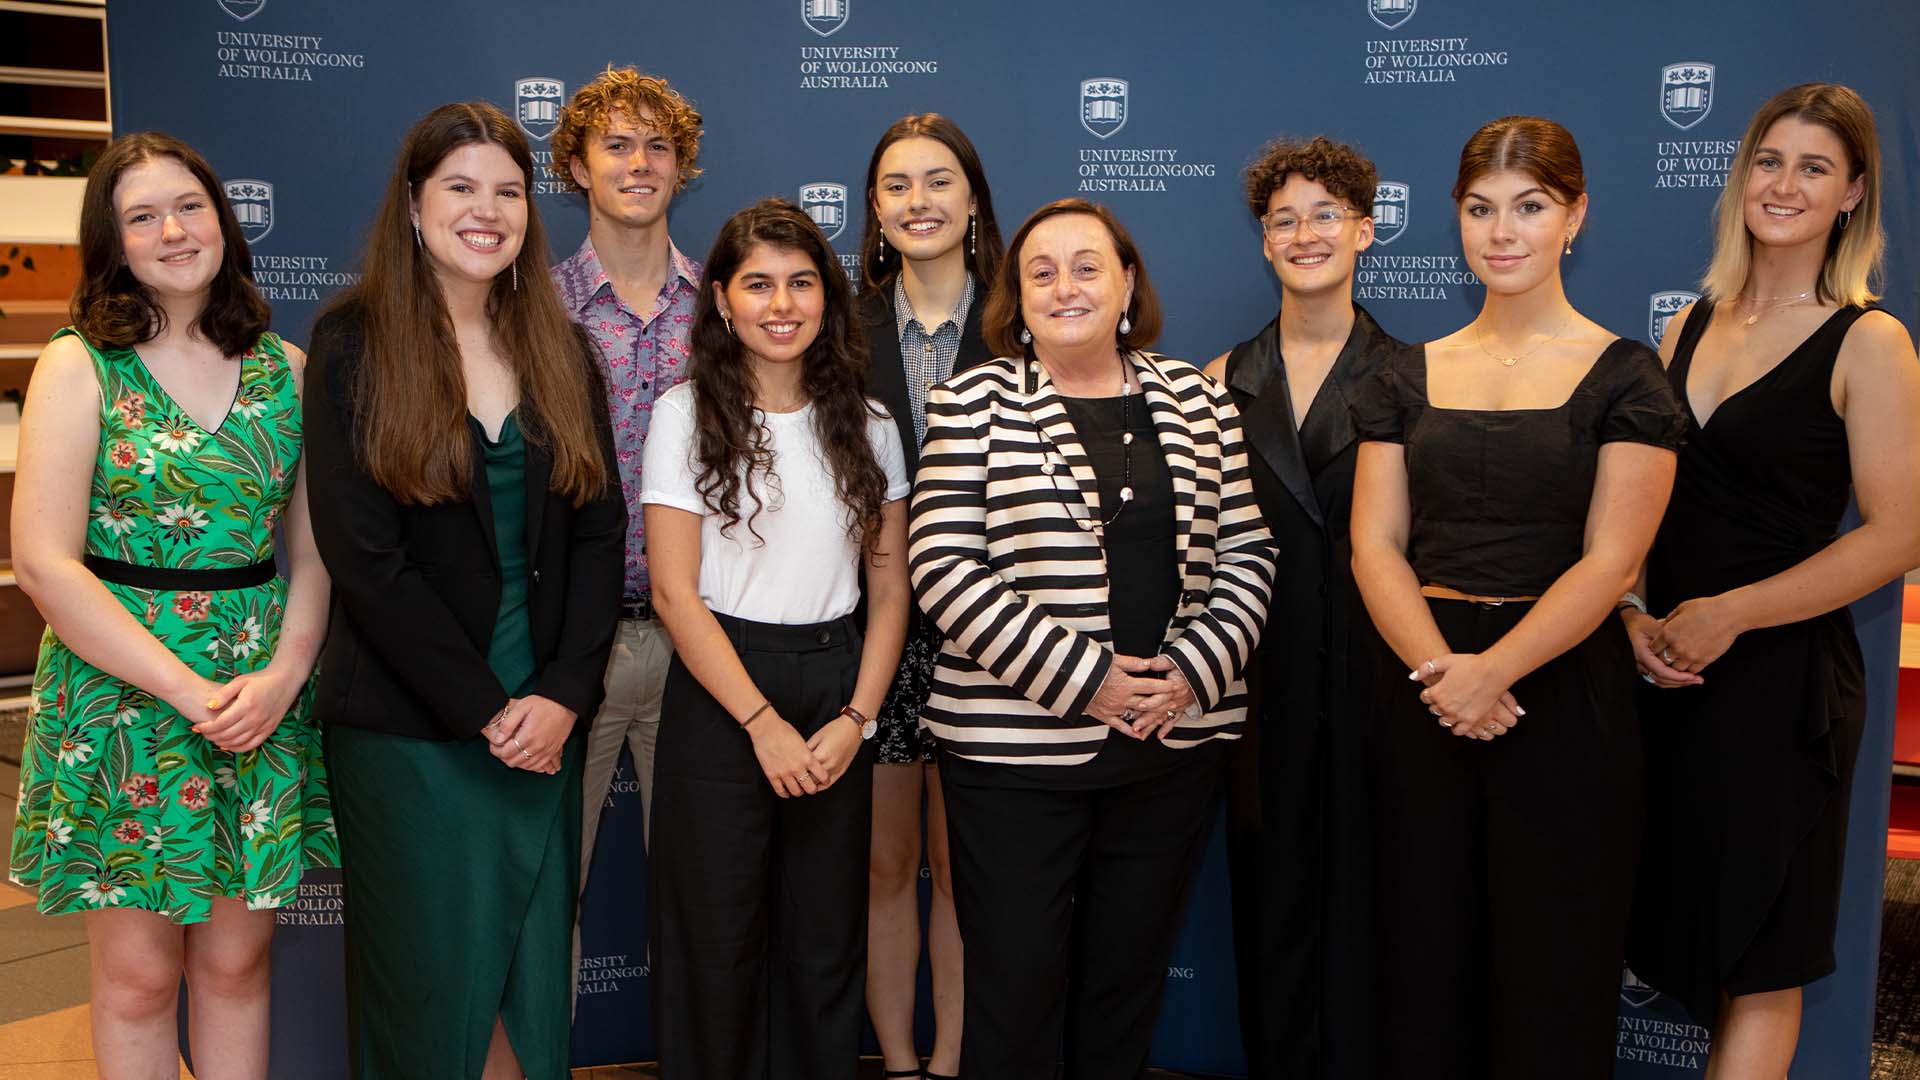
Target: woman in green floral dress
column 172, row 786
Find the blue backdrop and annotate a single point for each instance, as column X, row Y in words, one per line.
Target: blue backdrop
column 1152, row 110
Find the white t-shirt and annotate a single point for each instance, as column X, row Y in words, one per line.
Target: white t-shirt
column 802, row 566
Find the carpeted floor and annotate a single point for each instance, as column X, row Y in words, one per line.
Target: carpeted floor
column 1896, row 1014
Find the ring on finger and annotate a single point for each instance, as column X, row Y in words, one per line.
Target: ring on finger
column 1127, row 717
column 1667, row 655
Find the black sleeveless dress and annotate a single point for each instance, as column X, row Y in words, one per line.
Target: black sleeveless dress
column 1749, row 774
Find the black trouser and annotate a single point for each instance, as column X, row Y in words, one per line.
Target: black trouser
column 759, row 902
column 1069, row 902
column 1507, row 867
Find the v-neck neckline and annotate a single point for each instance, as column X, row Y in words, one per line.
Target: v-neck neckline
column 239, row 383
column 1686, row 377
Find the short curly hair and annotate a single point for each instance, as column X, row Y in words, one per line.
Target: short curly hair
column 1343, row 171
column 625, row 90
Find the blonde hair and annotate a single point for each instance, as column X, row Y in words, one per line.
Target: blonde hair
column 1856, row 246
column 625, row 90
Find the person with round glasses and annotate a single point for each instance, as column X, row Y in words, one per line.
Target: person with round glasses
column 1297, row 836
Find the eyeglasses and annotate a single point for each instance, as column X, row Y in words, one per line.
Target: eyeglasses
column 1282, row 226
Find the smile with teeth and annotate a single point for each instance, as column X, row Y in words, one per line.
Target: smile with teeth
column 639, row 189
column 481, row 241
column 1070, row 313
column 179, row 257
column 1781, row 211
column 1309, row 260
column 780, row 329
column 920, row 227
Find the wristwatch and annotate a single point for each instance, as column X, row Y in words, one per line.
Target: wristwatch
column 866, row 726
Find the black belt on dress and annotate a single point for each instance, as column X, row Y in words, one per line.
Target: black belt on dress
column 179, row 579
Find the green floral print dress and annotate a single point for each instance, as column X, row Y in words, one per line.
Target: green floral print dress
column 121, row 803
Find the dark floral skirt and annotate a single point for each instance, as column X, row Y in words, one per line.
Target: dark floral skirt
column 901, row 740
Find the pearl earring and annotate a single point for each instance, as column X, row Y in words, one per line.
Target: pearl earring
column 1126, row 326
column 1026, row 336
column 1569, row 249
column 973, row 235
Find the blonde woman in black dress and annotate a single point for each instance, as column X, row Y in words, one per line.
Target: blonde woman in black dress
column 1796, row 388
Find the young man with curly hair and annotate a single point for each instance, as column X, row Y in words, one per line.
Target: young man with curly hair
column 629, row 143
column 1299, row 838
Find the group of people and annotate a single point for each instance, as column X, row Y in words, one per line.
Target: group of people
column 747, row 517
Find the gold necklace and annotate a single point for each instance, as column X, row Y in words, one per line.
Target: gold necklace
column 1771, row 303
column 1479, row 338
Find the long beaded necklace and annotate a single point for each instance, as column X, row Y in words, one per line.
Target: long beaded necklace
column 1126, row 458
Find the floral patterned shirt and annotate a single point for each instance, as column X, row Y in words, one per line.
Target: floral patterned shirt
column 642, row 356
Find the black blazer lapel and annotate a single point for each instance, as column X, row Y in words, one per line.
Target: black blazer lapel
column 886, row 375
column 973, row 344
column 1255, row 370
column 482, row 495
column 539, row 474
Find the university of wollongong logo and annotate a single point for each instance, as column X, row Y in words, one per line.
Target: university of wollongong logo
column 242, row 9
column 1391, row 202
column 826, row 204
column 536, row 104
column 1391, row 14
column 824, row 17
column 252, row 202
column 1103, row 105
column 1686, row 93
column 1661, row 308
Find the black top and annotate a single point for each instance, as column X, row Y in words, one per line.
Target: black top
column 1767, row 478
column 1499, row 497
column 1303, row 478
column 416, row 589
column 1139, row 542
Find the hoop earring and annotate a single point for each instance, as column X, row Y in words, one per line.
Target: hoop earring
column 516, row 277
column 729, row 322
column 1026, row 336
column 1846, row 219
column 973, row 235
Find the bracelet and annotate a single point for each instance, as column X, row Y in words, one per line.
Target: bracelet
column 859, row 718
column 1633, row 600
column 755, row 714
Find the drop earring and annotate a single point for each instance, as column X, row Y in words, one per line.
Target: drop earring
column 880, row 252
column 729, row 322
column 516, row 277
column 417, row 242
column 1126, row 326
column 1569, row 249
column 1026, row 336
column 973, row 235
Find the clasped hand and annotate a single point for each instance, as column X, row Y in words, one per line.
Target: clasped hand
column 1467, row 696
column 1674, row 650
column 530, row 733
column 241, row 714
column 795, row 766
column 1142, row 696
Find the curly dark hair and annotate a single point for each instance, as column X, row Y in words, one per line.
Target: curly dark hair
column 1343, row 171
column 730, row 444
column 110, row 307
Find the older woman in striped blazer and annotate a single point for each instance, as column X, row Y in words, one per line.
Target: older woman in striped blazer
column 1084, row 532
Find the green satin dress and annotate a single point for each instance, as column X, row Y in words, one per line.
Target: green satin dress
column 461, row 872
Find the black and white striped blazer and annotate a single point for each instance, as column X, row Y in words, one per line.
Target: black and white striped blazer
column 1006, row 558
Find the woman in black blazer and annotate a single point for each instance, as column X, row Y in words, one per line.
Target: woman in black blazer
column 930, row 250
column 461, row 461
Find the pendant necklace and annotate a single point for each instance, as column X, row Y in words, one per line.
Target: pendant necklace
column 1479, row 339
column 1772, row 303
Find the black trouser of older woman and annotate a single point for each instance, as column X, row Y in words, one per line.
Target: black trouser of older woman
column 759, row 902
column 1069, row 902
column 1507, row 866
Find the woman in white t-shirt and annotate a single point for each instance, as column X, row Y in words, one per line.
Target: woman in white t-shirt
column 771, row 482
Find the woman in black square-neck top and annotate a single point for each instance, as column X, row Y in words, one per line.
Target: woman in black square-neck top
column 1490, row 545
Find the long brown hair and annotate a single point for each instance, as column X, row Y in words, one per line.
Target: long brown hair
column 1856, row 246
column 110, row 307
column 878, row 268
column 1002, row 322
column 731, row 444
column 410, row 398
